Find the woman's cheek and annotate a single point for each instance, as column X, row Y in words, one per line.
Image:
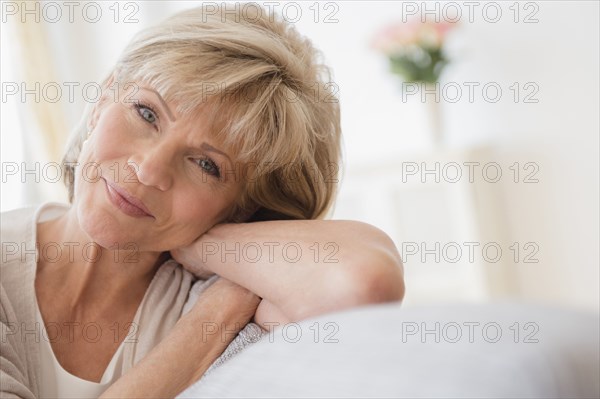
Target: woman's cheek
column 195, row 210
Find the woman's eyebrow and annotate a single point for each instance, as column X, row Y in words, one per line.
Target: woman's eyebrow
column 162, row 101
column 208, row 147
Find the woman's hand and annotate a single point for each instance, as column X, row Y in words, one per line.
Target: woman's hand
column 190, row 258
column 197, row 340
column 225, row 296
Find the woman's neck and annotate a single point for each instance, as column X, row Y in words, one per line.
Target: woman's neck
column 91, row 279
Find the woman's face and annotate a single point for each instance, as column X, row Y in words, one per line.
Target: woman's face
column 149, row 176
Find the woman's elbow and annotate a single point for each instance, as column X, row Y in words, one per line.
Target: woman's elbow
column 377, row 281
column 373, row 276
column 378, row 275
column 380, row 280
column 372, row 273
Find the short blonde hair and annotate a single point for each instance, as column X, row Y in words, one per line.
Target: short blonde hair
column 268, row 92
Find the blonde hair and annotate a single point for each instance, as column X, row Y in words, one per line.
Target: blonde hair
column 268, row 92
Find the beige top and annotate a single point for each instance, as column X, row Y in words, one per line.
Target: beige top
column 28, row 368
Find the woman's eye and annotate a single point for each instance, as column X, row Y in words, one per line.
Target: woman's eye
column 146, row 113
column 209, row 167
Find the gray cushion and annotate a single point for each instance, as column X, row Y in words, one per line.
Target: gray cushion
column 387, row 351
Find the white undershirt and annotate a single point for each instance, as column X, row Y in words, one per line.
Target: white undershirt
column 59, row 383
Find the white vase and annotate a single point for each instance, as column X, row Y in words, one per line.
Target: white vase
column 433, row 112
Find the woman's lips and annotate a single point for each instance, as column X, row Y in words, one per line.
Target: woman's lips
column 126, row 203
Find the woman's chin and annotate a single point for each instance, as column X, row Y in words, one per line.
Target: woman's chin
column 106, row 230
column 111, row 239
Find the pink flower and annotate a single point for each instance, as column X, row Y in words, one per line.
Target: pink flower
column 398, row 36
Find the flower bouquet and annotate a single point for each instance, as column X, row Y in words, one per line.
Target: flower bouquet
column 415, row 51
column 414, row 48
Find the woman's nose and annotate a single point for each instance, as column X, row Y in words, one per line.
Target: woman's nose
column 152, row 167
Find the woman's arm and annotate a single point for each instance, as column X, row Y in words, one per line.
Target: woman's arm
column 303, row 268
column 196, row 341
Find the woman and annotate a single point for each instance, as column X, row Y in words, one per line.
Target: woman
column 216, row 143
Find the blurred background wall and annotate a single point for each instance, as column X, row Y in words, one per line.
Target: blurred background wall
column 529, row 233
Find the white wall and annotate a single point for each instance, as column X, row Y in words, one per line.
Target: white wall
column 560, row 133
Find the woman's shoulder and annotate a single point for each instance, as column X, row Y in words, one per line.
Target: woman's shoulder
column 16, row 296
column 15, row 232
column 18, row 236
column 18, row 250
column 17, row 224
column 14, row 219
column 17, row 217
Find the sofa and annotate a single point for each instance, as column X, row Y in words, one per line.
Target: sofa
column 491, row 350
